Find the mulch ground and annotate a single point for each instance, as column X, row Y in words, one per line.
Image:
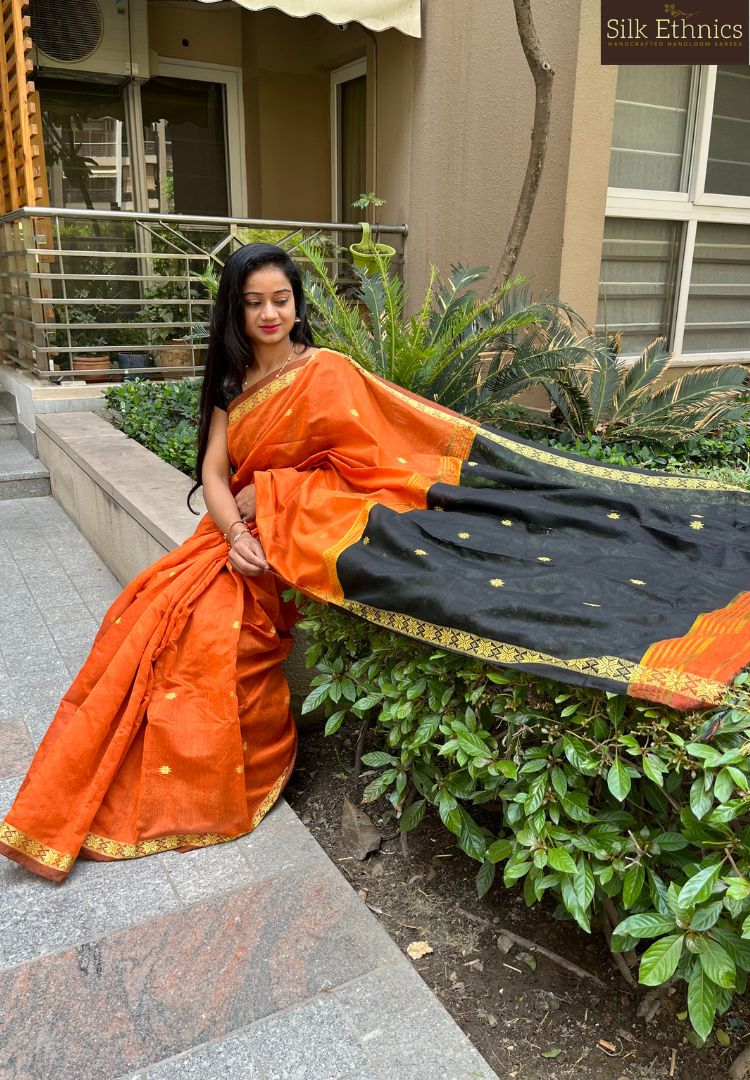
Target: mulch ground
column 528, row 1017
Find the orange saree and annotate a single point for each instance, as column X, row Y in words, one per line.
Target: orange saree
column 177, row 732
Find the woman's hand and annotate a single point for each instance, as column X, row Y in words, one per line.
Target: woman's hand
column 245, row 500
column 247, row 556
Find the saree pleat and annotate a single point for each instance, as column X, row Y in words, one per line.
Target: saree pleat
column 178, row 732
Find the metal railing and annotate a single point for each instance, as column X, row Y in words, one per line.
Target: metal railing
column 80, row 284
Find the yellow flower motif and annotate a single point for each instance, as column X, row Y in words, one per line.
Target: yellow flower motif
column 464, row 536
column 497, row 582
column 402, row 460
column 636, row 581
column 288, row 412
column 543, row 558
column 697, row 515
column 438, row 508
column 116, row 621
column 614, row 518
column 696, row 524
column 506, row 521
column 240, row 768
column 236, row 625
column 591, row 605
column 165, row 770
column 232, row 693
column 244, row 746
column 323, row 536
column 365, row 540
column 172, row 573
column 418, row 551
column 170, row 697
column 354, row 412
column 471, row 464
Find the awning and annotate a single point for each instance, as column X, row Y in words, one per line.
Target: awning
column 402, row 15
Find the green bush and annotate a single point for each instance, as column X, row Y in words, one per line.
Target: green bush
column 602, row 800
column 162, row 416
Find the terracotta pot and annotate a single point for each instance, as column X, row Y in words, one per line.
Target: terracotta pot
column 174, row 357
column 91, row 363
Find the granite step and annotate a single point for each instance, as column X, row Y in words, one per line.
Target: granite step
column 22, row 476
column 7, row 424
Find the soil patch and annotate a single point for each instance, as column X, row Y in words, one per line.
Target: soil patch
column 529, row 1018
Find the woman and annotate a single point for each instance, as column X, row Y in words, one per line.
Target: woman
column 177, row 732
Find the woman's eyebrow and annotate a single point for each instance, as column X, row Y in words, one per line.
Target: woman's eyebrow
column 257, row 292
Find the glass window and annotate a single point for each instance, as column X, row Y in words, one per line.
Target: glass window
column 728, row 171
column 85, row 145
column 718, row 311
column 636, row 292
column 651, row 127
column 185, row 136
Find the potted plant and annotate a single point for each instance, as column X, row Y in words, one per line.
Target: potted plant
column 363, row 253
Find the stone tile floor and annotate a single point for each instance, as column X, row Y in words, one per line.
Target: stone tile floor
column 253, row 960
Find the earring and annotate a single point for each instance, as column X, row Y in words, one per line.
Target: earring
column 297, row 319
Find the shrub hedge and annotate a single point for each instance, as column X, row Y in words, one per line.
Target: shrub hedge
column 162, row 416
column 602, row 800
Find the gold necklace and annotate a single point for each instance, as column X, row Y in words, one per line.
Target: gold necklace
column 291, row 354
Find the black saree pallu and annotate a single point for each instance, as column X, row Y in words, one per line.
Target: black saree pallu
column 630, row 581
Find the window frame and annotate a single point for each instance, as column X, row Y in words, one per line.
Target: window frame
column 691, row 208
column 346, row 73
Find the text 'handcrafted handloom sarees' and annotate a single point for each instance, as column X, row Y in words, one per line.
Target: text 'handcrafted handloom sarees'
column 177, row 732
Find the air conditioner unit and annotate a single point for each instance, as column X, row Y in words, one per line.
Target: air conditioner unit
column 99, row 37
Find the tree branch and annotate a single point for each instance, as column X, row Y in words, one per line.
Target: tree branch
column 543, row 75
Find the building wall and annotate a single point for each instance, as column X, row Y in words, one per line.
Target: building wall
column 453, row 162
column 286, row 70
column 213, row 32
column 588, row 169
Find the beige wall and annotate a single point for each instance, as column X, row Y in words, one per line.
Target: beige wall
column 588, row 169
column 286, row 73
column 453, row 162
column 213, row 33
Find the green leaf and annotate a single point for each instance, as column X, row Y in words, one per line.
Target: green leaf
column 701, row 1002
column 645, row 926
column 559, row 859
column 472, row 744
column 706, row 916
column 572, row 903
column 552, row 1053
column 669, row 841
column 378, row 759
column 575, row 806
column 700, row 886
column 501, row 849
column 618, row 780
column 723, row 1037
column 652, row 769
column 485, row 877
column 632, row 885
column 380, row 784
column 583, row 882
column 316, row 697
column 734, row 945
column 723, row 785
column 333, row 723
column 701, row 800
column 559, row 783
column 659, row 961
column 412, row 816
column 717, row 964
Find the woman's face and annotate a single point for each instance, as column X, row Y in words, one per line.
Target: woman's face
column 269, row 305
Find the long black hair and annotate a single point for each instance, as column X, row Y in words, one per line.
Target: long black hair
column 229, row 350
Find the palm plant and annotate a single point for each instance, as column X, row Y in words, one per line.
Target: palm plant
column 452, row 349
column 605, row 392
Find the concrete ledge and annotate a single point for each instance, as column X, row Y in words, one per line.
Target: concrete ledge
column 128, row 503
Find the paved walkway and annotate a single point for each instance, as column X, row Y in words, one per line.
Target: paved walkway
column 252, row 960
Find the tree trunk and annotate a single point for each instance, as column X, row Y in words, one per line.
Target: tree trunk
column 543, row 75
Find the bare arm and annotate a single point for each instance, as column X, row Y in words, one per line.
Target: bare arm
column 246, row 554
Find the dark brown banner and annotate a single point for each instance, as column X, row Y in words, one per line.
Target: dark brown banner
column 652, row 32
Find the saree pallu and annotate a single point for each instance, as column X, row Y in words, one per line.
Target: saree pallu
column 177, row 732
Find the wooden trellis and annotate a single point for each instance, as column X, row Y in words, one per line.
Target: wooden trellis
column 24, row 181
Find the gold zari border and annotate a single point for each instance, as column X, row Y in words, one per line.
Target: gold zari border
column 270, row 799
column 498, row 652
column 352, row 534
column 573, row 464
column 260, row 396
column 35, row 849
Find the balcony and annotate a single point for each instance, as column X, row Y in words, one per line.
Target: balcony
column 77, row 286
